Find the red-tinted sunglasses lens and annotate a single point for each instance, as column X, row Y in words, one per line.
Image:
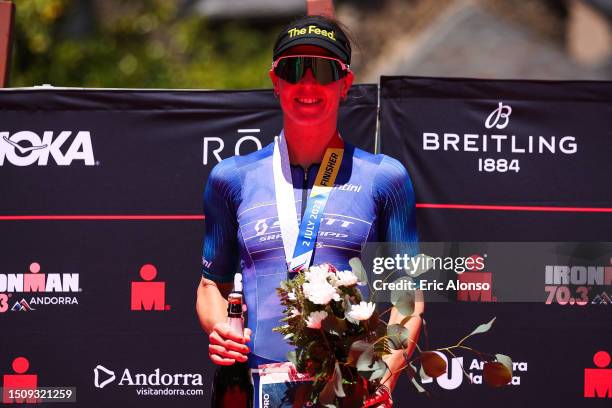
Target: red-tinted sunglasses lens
column 325, row 70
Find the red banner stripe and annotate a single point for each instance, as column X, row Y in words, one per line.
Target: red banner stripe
column 480, row 207
column 83, row 217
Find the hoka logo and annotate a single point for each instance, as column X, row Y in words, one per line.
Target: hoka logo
column 26, row 148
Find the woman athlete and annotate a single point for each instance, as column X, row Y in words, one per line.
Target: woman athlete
column 254, row 204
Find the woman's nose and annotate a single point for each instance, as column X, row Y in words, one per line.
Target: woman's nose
column 308, row 77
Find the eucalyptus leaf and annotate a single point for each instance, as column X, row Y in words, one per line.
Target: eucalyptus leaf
column 423, row 375
column 366, row 359
column 337, row 381
column 357, row 349
column 483, row 328
column 292, row 357
column 417, row 385
column 398, row 336
column 410, row 368
column 414, row 380
column 377, row 370
column 505, row 360
column 403, row 300
column 358, row 270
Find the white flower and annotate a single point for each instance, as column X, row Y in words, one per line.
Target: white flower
column 345, row 278
column 291, row 296
column 320, row 292
column 317, row 273
column 362, row 311
column 315, row 318
column 295, row 312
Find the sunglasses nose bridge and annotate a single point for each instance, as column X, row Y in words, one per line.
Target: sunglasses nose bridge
column 308, row 76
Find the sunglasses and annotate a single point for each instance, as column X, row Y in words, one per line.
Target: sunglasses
column 325, row 69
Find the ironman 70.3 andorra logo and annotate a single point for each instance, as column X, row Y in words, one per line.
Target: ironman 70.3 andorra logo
column 578, row 284
column 26, row 148
column 36, row 289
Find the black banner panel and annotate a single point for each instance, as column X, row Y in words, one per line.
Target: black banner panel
column 521, row 161
column 503, row 160
column 101, row 227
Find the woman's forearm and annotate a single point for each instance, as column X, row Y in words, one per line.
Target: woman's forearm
column 211, row 306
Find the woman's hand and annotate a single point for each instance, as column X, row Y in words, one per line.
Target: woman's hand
column 380, row 399
column 226, row 347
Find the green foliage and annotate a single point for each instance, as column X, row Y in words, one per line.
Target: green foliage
column 346, row 357
column 135, row 44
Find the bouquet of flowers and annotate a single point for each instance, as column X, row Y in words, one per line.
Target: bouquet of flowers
column 341, row 340
column 338, row 336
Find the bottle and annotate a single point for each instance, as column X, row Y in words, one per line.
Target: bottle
column 235, row 316
column 232, row 385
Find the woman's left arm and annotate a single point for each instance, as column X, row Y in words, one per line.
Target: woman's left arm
column 398, row 226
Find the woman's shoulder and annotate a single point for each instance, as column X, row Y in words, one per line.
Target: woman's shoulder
column 231, row 167
column 386, row 173
column 383, row 162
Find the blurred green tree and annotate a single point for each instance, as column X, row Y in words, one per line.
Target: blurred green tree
column 136, row 44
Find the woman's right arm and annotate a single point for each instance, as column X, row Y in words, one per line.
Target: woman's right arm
column 225, row 347
column 219, row 262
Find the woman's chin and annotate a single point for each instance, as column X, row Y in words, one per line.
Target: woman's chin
column 309, row 119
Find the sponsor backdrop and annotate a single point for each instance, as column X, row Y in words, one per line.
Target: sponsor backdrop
column 101, row 226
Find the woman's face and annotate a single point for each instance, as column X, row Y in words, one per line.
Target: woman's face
column 307, row 102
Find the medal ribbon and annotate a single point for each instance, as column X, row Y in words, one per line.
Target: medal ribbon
column 301, row 242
